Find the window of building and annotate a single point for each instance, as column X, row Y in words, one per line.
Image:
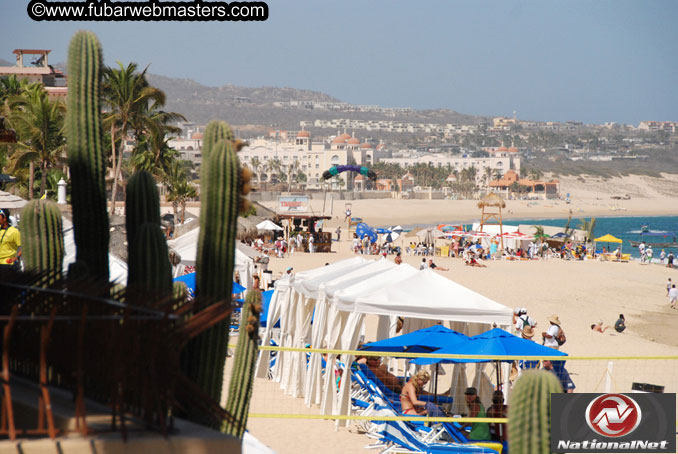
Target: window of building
column 317, row 166
column 335, row 158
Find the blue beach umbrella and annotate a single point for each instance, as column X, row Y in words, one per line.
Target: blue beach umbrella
column 189, row 280
column 495, row 342
column 425, row 340
column 363, row 229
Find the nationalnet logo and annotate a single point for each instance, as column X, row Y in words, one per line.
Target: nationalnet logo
column 613, row 415
column 613, row 423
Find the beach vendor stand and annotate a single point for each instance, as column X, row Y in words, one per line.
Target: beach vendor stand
column 610, row 239
column 307, row 224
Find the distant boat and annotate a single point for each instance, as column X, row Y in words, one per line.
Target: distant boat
column 657, row 239
column 644, row 228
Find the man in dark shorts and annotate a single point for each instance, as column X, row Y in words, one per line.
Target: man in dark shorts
column 620, row 324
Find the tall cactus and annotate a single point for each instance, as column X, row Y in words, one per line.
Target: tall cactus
column 43, row 237
column 529, row 426
column 242, row 378
column 86, row 158
column 215, row 262
column 142, row 204
column 149, row 266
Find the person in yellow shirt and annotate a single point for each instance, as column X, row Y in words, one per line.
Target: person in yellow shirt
column 10, row 241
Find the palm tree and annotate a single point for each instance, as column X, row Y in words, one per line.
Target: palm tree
column 127, row 94
column 256, row 168
column 152, row 128
column 497, row 174
column 588, row 227
column 291, row 172
column 39, row 124
column 179, row 189
column 274, row 166
column 488, row 175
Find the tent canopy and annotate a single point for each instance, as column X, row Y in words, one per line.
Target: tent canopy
column 187, row 247
column 427, row 294
column 608, row 239
column 8, row 200
column 268, row 226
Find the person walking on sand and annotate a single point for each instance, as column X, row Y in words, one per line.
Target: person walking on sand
column 669, row 260
column 673, row 296
column 554, row 336
column 339, row 233
column 668, row 286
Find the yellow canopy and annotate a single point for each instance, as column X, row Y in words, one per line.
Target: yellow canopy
column 608, row 239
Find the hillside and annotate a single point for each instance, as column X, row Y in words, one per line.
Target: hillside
column 254, row 105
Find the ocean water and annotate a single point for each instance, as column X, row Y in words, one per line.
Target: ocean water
column 624, row 228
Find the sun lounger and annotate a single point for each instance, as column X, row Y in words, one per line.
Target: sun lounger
column 400, row 437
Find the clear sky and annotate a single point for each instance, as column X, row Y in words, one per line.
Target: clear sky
column 591, row 61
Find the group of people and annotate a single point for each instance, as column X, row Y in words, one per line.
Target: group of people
column 647, row 254
column 280, row 246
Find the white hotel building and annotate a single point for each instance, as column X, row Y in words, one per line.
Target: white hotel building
column 501, row 158
column 312, row 158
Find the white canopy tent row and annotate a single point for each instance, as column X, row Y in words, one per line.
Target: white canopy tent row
column 187, row 248
column 341, row 295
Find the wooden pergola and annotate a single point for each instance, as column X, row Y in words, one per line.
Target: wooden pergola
column 491, row 206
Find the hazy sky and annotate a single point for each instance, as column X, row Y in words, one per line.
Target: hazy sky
column 591, row 61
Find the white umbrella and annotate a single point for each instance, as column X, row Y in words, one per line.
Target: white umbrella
column 268, row 225
column 390, row 237
column 8, row 200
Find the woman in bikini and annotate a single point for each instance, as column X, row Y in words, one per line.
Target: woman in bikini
column 409, row 402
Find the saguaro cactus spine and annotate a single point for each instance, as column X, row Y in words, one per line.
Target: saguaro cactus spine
column 529, row 426
column 242, row 378
column 86, row 158
column 42, row 232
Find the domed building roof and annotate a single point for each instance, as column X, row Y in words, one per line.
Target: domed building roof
column 502, row 148
column 513, row 150
column 303, row 133
column 339, row 140
column 197, row 136
column 359, row 178
column 380, row 146
column 345, row 136
column 353, row 141
column 366, row 145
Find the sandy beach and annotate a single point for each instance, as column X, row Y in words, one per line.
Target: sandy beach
column 579, row 292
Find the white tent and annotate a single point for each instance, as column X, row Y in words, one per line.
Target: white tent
column 187, row 248
column 341, row 294
column 444, row 299
column 268, row 226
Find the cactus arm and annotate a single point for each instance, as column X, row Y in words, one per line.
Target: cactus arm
column 242, row 378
